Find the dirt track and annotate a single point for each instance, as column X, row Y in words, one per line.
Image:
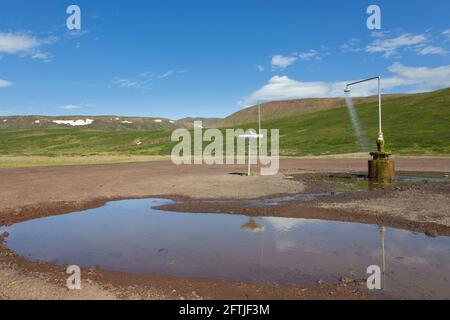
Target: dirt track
column 34, row 192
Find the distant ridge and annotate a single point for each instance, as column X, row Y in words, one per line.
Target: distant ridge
column 282, row 109
column 416, row 124
column 91, row 122
column 270, row 111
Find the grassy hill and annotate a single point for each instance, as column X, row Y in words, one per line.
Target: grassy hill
column 206, row 122
column 83, row 142
column 89, row 122
column 283, row 109
column 414, row 124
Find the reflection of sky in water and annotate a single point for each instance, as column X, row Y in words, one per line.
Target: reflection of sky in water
column 130, row 236
column 287, row 224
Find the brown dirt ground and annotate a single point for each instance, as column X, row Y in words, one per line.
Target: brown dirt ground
column 27, row 193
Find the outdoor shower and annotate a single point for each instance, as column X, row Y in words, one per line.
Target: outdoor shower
column 381, row 168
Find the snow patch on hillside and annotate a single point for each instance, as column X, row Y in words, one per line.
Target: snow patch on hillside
column 74, row 123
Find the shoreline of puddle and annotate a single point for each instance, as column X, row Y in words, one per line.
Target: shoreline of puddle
column 251, row 225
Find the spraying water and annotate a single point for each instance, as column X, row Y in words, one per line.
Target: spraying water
column 362, row 139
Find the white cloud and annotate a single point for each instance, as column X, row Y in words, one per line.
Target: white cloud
column 16, row 42
column 77, row 33
column 5, row 83
column 409, row 79
column 446, row 33
column 281, row 62
column 170, row 73
column 390, row 47
column 308, row 55
column 379, row 34
column 145, row 74
column 144, row 79
column 71, row 107
column 77, row 106
column 284, row 88
column 41, row 56
column 24, row 44
column 352, row 46
column 433, row 50
column 418, row 79
column 165, row 75
column 128, row 83
column 125, row 83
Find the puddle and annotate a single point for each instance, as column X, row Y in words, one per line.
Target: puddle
column 130, row 236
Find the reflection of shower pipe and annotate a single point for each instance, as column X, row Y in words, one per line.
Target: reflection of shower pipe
column 261, row 251
column 383, row 255
column 252, row 226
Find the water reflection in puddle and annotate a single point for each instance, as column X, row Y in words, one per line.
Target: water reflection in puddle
column 131, row 236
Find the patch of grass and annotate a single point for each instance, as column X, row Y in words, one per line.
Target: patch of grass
column 83, row 142
column 7, row 162
column 413, row 125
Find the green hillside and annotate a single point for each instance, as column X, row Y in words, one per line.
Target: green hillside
column 283, row 109
column 83, row 141
column 109, row 123
column 414, row 125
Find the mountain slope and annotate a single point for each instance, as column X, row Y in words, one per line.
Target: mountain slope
column 90, row 122
column 283, row 109
column 414, row 124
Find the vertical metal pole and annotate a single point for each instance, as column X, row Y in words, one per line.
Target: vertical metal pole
column 379, row 105
column 259, row 117
column 259, row 122
column 249, row 156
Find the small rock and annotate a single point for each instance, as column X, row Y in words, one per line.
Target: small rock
column 195, row 294
column 361, row 282
column 432, row 233
column 344, row 280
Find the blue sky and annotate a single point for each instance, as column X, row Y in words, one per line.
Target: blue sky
column 210, row 58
